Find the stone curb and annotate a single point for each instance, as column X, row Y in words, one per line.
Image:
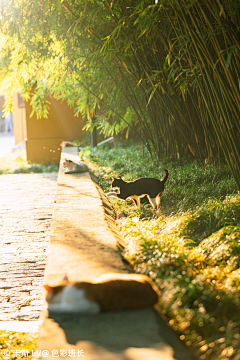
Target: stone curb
column 84, row 243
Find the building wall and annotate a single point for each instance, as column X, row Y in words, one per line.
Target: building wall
column 18, row 117
column 44, row 136
column 19, row 120
column 1, row 113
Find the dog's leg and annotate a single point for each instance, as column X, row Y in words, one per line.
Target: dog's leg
column 152, row 202
column 136, row 198
column 158, row 200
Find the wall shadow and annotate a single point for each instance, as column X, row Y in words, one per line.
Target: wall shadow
column 118, row 331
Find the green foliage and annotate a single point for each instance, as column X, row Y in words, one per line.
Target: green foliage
column 190, row 248
column 212, row 216
column 222, row 246
column 85, row 153
column 199, row 283
column 21, row 342
column 167, row 71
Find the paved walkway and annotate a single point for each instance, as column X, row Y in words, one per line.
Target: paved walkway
column 26, row 207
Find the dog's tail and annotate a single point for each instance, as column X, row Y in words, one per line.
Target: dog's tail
column 166, row 176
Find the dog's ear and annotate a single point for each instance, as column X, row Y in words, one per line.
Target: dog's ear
column 120, row 177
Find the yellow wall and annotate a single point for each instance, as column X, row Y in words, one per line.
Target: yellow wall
column 1, row 113
column 19, row 121
column 44, row 136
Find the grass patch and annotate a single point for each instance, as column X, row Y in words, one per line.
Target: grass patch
column 189, row 183
column 190, row 247
column 17, row 345
column 16, row 163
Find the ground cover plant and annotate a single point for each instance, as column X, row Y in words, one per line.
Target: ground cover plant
column 16, row 163
column 15, row 345
column 190, row 247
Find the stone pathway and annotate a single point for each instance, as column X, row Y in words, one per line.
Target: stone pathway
column 26, row 207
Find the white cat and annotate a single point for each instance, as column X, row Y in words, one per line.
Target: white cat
column 109, row 292
column 74, row 166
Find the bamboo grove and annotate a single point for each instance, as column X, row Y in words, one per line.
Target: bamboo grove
column 166, row 69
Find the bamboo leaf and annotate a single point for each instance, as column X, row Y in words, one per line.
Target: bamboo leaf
column 229, row 58
column 152, row 93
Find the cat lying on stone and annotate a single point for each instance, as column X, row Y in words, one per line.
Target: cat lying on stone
column 67, row 144
column 139, row 188
column 109, row 292
column 74, row 166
